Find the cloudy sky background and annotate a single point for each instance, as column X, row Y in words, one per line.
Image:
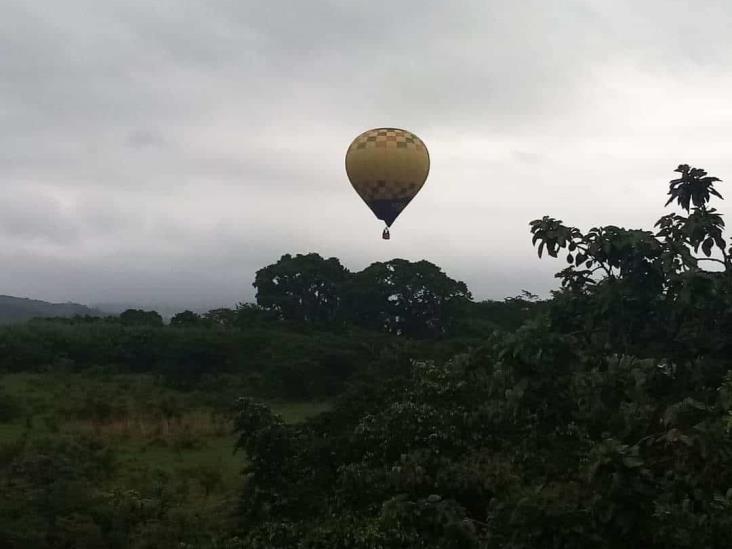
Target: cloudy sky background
column 161, row 152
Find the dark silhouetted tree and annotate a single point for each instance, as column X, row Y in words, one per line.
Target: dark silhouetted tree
column 186, row 318
column 222, row 317
column 405, row 298
column 639, row 292
column 305, row 288
column 138, row 317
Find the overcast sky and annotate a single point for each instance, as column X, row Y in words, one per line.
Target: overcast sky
column 162, row 151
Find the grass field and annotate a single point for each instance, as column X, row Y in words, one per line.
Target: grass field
column 154, row 433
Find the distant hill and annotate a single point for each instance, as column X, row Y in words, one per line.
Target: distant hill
column 19, row 309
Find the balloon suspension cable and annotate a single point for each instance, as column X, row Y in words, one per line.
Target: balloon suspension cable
column 385, row 235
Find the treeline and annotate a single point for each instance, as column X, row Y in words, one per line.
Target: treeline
column 314, row 326
column 399, row 297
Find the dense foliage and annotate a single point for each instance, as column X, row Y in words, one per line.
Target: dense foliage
column 95, row 460
column 267, row 361
column 602, row 422
column 653, row 298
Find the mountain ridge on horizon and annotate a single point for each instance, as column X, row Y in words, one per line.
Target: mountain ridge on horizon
column 15, row 309
column 19, row 309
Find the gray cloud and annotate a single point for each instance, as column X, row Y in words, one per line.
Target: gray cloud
column 35, row 216
column 162, row 152
column 143, row 138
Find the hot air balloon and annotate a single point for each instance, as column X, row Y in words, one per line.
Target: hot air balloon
column 387, row 167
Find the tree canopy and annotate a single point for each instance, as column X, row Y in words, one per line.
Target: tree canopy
column 302, row 288
column 398, row 296
column 403, row 297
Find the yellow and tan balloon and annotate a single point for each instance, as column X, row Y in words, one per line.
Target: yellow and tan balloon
column 387, row 167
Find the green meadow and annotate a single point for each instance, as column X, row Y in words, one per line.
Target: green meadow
column 172, row 450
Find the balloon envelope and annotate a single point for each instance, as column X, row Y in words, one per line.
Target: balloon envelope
column 387, row 167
